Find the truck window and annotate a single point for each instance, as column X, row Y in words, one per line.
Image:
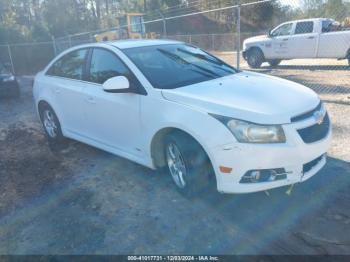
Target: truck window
column 330, row 26
column 304, row 27
column 282, row 30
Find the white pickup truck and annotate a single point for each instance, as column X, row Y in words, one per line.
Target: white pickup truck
column 309, row 38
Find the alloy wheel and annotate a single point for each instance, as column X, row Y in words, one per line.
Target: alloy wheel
column 176, row 165
column 50, row 124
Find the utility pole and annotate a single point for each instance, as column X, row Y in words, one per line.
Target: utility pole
column 10, row 56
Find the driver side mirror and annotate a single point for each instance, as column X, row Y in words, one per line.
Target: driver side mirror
column 117, row 84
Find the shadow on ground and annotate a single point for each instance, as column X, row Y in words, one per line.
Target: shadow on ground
column 310, row 67
column 113, row 206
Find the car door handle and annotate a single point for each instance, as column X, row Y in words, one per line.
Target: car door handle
column 91, row 100
column 311, row 37
column 285, row 39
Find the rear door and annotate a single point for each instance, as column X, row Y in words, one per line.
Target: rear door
column 66, row 86
column 303, row 42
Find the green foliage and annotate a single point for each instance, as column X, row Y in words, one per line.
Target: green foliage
column 336, row 9
column 39, row 20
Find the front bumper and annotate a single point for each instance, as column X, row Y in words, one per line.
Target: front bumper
column 292, row 156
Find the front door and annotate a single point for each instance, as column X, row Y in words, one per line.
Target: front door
column 281, row 41
column 113, row 119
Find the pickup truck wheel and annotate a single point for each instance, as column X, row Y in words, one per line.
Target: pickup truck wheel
column 274, row 62
column 255, row 58
column 52, row 127
column 188, row 164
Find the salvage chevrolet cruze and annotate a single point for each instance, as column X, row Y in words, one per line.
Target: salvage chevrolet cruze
column 169, row 104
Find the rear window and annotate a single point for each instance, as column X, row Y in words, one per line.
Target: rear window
column 70, row 65
column 304, row 28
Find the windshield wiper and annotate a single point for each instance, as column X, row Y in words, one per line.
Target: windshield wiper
column 203, row 57
column 178, row 58
column 200, row 56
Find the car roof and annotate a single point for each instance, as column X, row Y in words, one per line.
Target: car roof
column 308, row 20
column 130, row 43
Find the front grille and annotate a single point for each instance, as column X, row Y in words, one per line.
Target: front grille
column 307, row 114
column 308, row 166
column 315, row 132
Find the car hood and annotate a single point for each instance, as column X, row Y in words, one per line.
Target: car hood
column 247, row 96
column 256, row 39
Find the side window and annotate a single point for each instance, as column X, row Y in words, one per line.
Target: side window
column 70, row 65
column 326, row 25
column 330, row 26
column 105, row 65
column 282, row 30
column 304, row 28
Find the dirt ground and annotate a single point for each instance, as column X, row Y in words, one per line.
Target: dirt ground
column 81, row 200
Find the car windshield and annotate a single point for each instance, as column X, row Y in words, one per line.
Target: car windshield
column 176, row 65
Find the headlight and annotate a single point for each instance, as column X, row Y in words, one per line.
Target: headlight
column 8, row 78
column 246, row 132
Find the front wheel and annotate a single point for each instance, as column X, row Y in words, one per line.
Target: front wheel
column 255, row 58
column 187, row 163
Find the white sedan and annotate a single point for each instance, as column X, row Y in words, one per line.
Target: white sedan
column 169, row 104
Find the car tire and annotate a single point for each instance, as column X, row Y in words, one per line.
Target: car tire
column 188, row 165
column 255, row 58
column 52, row 127
column 274, row 62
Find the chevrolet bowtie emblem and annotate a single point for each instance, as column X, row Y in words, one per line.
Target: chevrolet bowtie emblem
column 319, row 116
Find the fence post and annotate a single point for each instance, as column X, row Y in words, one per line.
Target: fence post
column 54, row 45
column 164, row 24
column 212, row 42
column 90, row 38
column 238, row 34
column 10, row 56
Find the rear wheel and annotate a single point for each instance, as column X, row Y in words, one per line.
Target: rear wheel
column 255, row 58
column 188, row 164
column 52, row 126
column 274, row 62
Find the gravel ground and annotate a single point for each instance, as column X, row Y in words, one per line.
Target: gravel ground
column 81, row 200
column 328, row 77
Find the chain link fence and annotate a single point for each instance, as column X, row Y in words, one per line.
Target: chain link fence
column 325, row 76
